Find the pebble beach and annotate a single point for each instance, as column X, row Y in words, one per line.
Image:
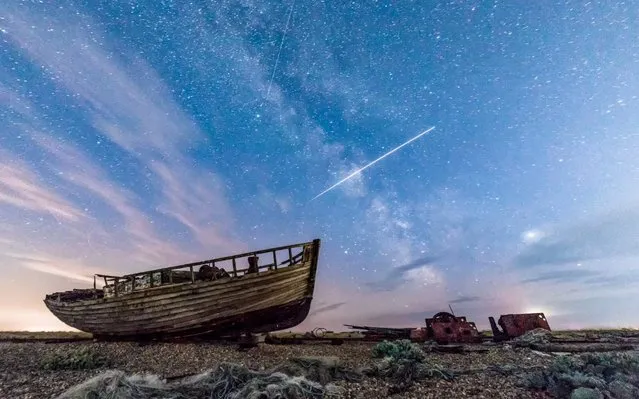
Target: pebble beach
column 21, row 374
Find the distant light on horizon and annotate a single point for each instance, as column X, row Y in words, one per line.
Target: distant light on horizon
column 547, row 311
column 532, row 236
column 32, row 320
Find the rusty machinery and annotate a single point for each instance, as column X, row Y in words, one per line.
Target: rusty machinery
column 514, row 325
column 443, row 328
column 446, row 328
column 380, row 333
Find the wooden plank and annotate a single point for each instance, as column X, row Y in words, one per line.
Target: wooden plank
column 158, row 310
column 203, row 315
column 107, row 276
column 191, row 297
column 170, row 292
column 205, row 312
column 230, row 303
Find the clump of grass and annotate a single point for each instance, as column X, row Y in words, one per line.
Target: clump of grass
column 403, row 362
column 401, row 349
column 530, row 338
column 592, row 375
column 83, row 358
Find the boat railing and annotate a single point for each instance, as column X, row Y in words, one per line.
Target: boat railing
column 189, row 272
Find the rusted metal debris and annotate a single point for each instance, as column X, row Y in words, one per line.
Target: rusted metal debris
column 317, row 335
column 443, row 328
column 514, row 325
column 380, row 333
column 446, row 328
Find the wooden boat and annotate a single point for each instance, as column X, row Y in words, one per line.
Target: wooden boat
column 207, row 299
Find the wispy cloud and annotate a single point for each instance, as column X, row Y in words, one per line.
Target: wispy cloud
column 562, row 276
column 615, row 280
column 417, row 270
column 23, row 189
column 58, row 267
column 605, row 236
column 465, row 299
column 131, row 106
column 179, row 213
column 77, row 169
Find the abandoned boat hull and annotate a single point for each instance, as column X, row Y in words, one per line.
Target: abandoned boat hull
column 254, row 303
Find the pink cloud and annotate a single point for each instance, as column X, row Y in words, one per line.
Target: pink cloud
column 21, row 188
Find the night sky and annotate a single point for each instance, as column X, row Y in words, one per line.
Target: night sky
column 143, row 134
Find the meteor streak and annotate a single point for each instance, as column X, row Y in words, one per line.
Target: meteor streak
column 372, row 163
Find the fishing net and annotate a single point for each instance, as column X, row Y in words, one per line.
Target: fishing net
column 319, row 369
column 227, row 381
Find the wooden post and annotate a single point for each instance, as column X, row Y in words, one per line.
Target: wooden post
column 171, row 276
column 95, row 285
column 275, row 259
column 290, row 256
column 192, row 275
column 151, row 280
column 234, row 268
column 132, row 283
column 105, row 281
column 257, row 265
column 115, row 286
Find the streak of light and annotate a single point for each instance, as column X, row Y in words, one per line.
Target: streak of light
column 277, row 59
column 358, row 171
